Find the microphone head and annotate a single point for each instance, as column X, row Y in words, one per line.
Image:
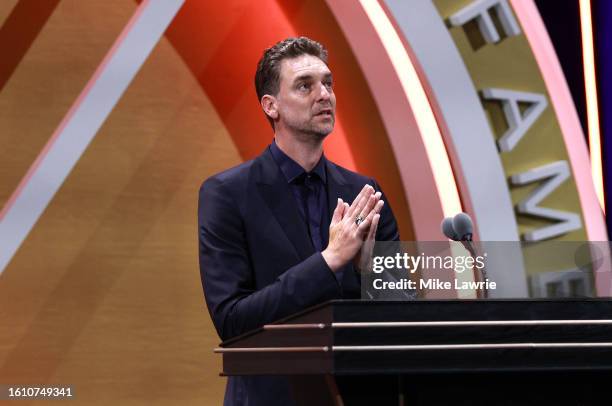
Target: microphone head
column 448, row 229
column 463, row 226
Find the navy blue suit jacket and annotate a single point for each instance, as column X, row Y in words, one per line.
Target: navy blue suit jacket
column 257, row 261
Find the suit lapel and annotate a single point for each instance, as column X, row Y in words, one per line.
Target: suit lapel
column 337, row 188
column 275, row 191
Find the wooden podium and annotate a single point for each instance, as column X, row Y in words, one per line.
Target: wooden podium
column 488, row 352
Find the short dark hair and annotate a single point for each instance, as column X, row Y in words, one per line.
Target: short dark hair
column 267, row 76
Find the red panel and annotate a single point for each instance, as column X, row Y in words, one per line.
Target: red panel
column 19, row 32
column 221, row 43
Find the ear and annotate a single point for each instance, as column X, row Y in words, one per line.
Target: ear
column 270, row 107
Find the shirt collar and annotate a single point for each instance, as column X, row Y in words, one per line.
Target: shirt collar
column 291, row 169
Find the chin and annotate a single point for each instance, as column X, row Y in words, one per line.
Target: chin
column 316, row 133
column 322, row 133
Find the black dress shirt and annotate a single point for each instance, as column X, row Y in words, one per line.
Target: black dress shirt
column 310, row 191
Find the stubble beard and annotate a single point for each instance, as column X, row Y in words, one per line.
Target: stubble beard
column 311, row 133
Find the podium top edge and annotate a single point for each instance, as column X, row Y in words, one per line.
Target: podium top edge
column 347, row 303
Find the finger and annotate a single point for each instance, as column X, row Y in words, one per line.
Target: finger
column 365, row 224
column 337, row 216
column 373, row 227
column 345, row 210
column 348, row 218
column 365, row 192
column 379, row 206
column 359, row 208
column 371, row 203
column 351, row 209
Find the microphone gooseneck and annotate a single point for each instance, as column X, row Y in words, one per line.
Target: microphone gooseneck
column 461, row 228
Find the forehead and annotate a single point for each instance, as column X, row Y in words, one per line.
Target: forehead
column 292, row 68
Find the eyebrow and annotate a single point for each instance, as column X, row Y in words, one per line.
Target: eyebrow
column 309, row 77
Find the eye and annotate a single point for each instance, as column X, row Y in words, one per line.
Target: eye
column 328, row 84
column 304, row 87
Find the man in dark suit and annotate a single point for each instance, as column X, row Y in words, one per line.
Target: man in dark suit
column 277, row 234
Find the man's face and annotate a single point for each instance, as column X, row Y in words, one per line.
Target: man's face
column 306, row 100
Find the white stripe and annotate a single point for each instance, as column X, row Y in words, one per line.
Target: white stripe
column 590, row 83
column 476, row 346
column 474, row 323
column 133, row 48
column 458, row 323
column 420, row 347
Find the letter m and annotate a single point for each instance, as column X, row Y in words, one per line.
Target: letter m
column 553, row 174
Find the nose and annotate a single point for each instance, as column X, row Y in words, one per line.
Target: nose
column 324, row 92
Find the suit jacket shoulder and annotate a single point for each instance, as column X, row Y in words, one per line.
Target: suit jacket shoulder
column 232, row 179
column 349, row 176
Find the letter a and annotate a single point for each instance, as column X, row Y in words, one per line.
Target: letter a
column 517, row 124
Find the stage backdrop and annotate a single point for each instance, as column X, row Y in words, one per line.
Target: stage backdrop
column 113, row 112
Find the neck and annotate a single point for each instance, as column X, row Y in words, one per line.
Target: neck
column 306, row 154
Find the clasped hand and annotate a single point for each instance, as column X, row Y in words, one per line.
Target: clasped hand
column 351, row 239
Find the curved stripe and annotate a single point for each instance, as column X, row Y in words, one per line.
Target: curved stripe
column 461, row 117
column 590, row 82
column 561, row 100
column 423, row 113
column 397, row 116
column 565, row 111
column 466, row 133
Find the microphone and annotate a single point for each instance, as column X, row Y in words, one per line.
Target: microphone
column 463, row 226
column 448, row 230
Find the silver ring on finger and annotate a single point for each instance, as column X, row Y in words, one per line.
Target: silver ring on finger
column 359, row 220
